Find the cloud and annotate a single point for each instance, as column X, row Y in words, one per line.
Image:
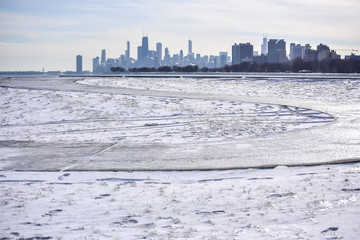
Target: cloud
column 93, row 25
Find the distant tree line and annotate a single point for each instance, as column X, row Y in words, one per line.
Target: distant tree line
column 298, row 65
column 118, row 69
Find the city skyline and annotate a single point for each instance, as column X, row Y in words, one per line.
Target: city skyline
column 273, row 51
column 37, row 34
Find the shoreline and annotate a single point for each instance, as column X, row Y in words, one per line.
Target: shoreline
column 237, row 75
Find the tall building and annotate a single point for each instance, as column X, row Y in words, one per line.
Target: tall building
column 323, row 52
column 190, row 47
column 276, row 51
column 198, row 58
column 275, row 45
column 181, row 56
column 264, row 46
column 242, row 52
column 145, row 48
column 103, row 57
column 127, row 52
column 310, row 55
column 296, row 51
column 139, row 54
column 159, row 50
column 167, row 57
column 78, row 64
column 223, row 58
column 96, row 65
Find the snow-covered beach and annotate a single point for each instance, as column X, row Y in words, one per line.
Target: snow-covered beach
column 61, row 126
column 317, row 202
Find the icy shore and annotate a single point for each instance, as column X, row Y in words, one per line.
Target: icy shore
column 176, row 124
column 318, row 202
column 59, row 132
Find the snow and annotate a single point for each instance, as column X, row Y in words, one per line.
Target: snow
column 40, row 115
column 61, row 137
column 318, row 202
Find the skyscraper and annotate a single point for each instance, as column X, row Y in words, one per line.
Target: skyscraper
column 276, row 51
column 96, row 65
column 264, row 46
column 323, row 52
column 190, row 47
column 103, row 57
column 296, row 51
column 181, row 57
column 78, row 64
column 167, row 57
column 145, row 48
column 275, row 45
column 139, row 54
column 159, row 50
column 223, row 58
column 242, row 52
column 127, row 52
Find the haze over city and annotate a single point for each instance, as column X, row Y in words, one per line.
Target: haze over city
column 37, row 34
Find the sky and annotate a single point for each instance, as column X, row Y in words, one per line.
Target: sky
column 36, row 34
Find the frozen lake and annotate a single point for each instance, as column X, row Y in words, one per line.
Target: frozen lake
column 64, row 133
column 127, row 123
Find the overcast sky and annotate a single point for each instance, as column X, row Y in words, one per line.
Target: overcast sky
column 50, row 33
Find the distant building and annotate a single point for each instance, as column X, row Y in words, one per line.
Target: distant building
column 144, row 48
column 296, row 51
column 103, row 57
column 79, row 64
column 190, row 47
column 334, row 55
column 96, row 65
column 181, row 57
column 276, row 51
column 323, row 52
column 259, row 59
column 242, row 52
column 310, row 54
column 264, row 46
column 159, row 50
column 139, row 53
column 353, row 57
column 127, row 52
column 167, row 57
column 223, row 58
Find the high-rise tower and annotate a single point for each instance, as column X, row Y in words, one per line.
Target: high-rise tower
column 78, row 64
column 190, row 47
column 127, row 52
column 242, row 52
column 103, row 57
column 264, row 45
column 276, row 51
column 145, row 47
column 167, row 57
column 159, row 50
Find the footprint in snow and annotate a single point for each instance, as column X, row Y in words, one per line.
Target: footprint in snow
column 332, row 229
column 103, row 196
column 52, row 212
column 64, row 175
